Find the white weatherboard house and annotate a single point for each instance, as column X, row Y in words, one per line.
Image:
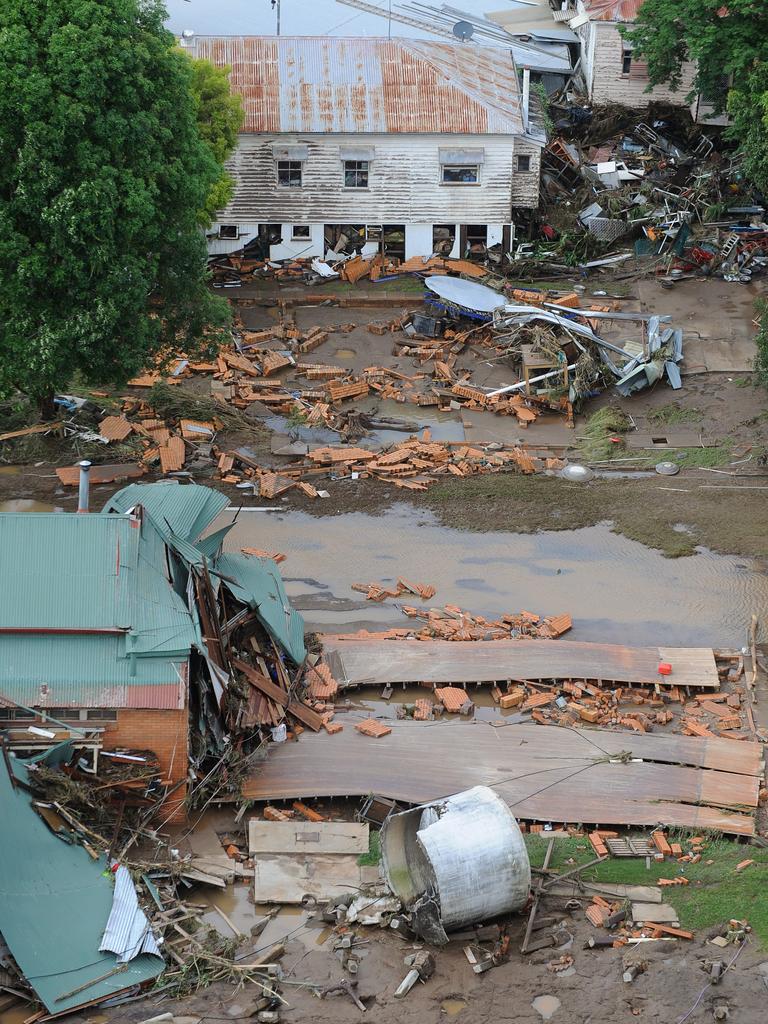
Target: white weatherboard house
column 423, row 143
column 612, row 72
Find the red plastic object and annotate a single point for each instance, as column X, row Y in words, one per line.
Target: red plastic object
column 665, row 669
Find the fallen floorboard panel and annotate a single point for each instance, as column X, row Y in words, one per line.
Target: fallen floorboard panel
column 378, row 662
column 545, row 773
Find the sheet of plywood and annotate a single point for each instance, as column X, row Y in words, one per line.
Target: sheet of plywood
column 378, row 662
column 307, row 837
column 544, row 773
column 286, row 878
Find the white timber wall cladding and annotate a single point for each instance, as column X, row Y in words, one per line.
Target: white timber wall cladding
column 525, row 184
column 609, row 85
column 404, row 182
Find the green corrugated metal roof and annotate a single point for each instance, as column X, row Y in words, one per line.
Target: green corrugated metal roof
column 90, row 572
column 260, row 585
column 64, row 571
column 54, row 905
column 183, row 509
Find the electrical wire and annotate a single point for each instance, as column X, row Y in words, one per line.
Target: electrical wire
column 709, row 985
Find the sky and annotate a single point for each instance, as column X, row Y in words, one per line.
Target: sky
column 298, row 17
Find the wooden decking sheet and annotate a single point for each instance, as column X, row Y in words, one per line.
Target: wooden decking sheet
column 378, row 662
column 545, row 773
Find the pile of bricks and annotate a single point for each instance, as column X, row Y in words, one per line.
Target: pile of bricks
column 454, row 623
column 411, row 465
column 380, row 592
column 715, row 714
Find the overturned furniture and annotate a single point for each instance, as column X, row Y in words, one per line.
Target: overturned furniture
column 456, row 861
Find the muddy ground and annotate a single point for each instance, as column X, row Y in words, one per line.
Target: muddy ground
column 591, row 993
column 720, row 498
column 722, row 506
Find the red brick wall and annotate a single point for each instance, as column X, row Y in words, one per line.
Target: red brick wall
column 165, row 733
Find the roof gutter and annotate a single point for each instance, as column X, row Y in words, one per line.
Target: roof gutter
column 54, row 631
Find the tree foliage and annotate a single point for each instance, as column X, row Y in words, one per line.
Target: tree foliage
column 722, row 40
column 103, row 174
column 219, row 119
column 729, row 45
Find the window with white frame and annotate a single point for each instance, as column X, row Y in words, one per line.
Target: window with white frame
column 522, row 163
column 356, row 173
column 289, row 173
column 301, row 232
column 460, row 174
column 229, row 231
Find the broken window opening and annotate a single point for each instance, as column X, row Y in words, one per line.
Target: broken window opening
column 301, row 232
column 355, row 174
column 289, row 173
column 229, row 231
column 458, row 174
column 443, row 239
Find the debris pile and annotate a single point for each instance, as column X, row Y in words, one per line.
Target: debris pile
column 237, row 268
column 686, row 205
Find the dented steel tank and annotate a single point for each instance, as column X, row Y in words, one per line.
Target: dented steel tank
column 456, row 862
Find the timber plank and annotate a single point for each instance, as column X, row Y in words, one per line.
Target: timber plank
column 545, row 774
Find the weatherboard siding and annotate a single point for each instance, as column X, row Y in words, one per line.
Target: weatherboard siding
column 609, row 85
column 404, row 184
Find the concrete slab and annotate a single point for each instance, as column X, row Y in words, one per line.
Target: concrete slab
column 287, row 877
column 716, row 317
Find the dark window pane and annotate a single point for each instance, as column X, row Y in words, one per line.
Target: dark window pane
column 464, row 175
column 101, row 715
column 523, row 164
column 356, row 174
column 289, row 173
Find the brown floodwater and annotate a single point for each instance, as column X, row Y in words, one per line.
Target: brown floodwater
column 616, row 589
column 290, row 924
column 26, row 505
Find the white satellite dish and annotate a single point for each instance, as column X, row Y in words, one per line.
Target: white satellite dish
column 188, row 33
column 463, row 30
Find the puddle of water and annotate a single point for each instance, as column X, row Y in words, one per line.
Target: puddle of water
column 310, row 435
column 236, row 902
column 345, row 353
column 10, row 471
column 485, row 709
column 616, row 590
column 546, row 1006
column 26, row 505
column 452, row 1007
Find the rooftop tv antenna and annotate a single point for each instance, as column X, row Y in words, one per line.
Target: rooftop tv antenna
column 463, row 30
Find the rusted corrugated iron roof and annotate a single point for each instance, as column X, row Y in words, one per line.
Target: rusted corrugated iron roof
column 331, row 85
column 612, row 10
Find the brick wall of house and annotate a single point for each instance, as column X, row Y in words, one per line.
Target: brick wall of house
column 165, row 733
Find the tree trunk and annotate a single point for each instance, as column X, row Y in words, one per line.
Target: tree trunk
column 45, row 406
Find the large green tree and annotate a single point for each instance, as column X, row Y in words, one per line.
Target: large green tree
column 728, row 42
column 219, row 119
column 103, row 174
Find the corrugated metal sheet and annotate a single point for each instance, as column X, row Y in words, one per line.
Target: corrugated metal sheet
column 612, row 10
column 87, row 672
column 64, row 571
column 54, row 901
column 331, row 85
column 186, row 510
column 92, row 619
column 128, row 933
column 260, row 585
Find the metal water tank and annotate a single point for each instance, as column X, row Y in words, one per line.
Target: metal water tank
column 456, row 862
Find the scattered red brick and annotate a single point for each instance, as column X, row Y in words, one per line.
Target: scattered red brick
column 371, row 727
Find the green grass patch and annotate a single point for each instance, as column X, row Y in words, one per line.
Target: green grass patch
column 372, row 858
column 670, row 414
column 715, row 893
column 596, row 441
